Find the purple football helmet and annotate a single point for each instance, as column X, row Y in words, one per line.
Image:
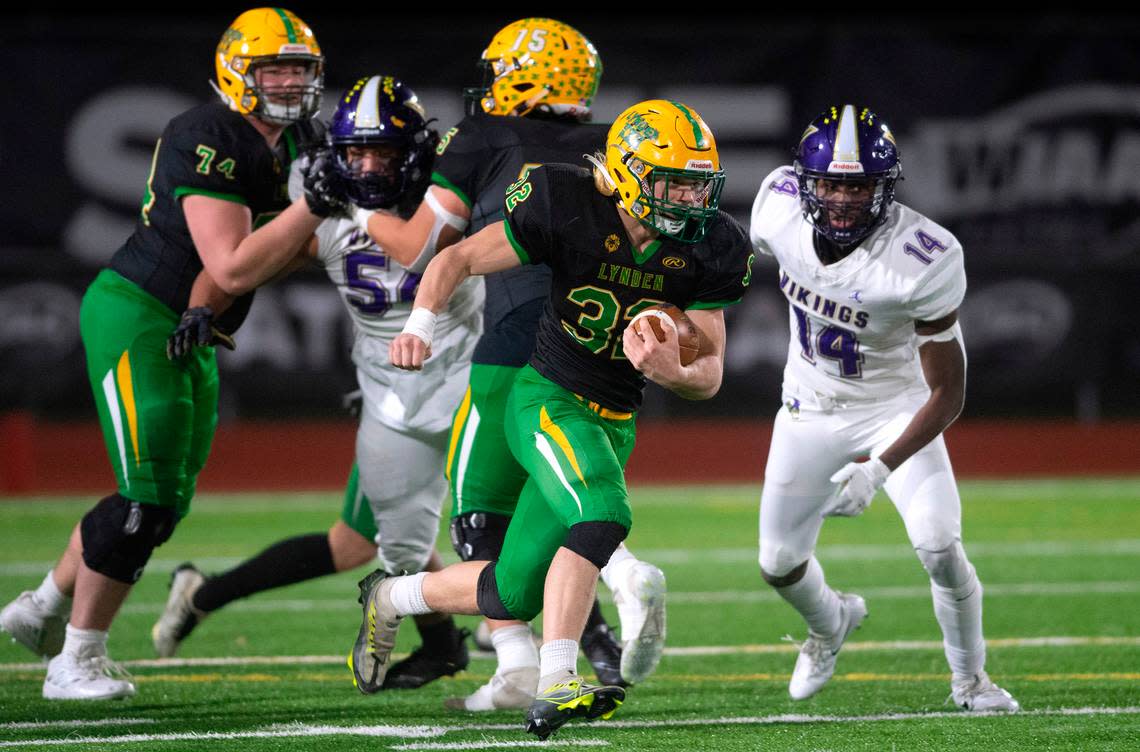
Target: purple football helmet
column 851, row 149
column 379, row 111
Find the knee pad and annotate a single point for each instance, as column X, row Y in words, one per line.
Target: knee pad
column 949, row 567
column 777, row 561
column 119, row 536
column 487, row 596
column 479, row 536
column 784, row 580
column 595, row 541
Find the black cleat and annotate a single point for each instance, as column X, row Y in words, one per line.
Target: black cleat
column 425, row 665
column 604, row 653
column 568, row 699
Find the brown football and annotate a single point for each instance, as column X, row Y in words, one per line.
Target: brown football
column 691, row 341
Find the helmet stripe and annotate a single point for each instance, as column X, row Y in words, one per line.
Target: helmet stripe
column 368, row 106
column 698, row 135
column 289, row 30
column 846, row 138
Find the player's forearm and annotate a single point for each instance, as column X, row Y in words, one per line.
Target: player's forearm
column 932, row 419
column 700, row 380
column 402, row 240
column 266, row 251
column 443, row 275
column 206, row 292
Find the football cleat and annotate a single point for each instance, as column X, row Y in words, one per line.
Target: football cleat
column 424, row 665
column 816, row 661
column 604, row 653
column 978, row 693
column 179, row 617
column 377, row 636
column 640, row 602
column 93, row 677
column 33, row 626
column 568, row 699
column 515, row 688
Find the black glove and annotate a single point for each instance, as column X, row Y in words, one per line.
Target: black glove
column 425, row 145
column 324, row 188
column 196, row 329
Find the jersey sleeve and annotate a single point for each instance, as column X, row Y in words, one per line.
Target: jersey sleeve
column 207, row 163
column 528, row 219
column 942, row 288
column 459, row 156
column 727, row 278
column 771, row 202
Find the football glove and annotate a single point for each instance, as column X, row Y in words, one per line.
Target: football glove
column 858, row 483
column 323, row 187
column 196, row 329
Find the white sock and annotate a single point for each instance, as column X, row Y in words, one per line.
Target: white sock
column 959, row 614
column 558, row 657
column 816, row 602
column 85, row 643
column 50, row 597
column 408, row 595
column 615, row 570
column 514, row 648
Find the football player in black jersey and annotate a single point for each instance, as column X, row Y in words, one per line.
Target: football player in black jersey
column 642, row 228
column 219, row 171
column 540, row 78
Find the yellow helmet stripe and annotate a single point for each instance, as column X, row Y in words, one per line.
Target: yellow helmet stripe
column 698, row 134
column 289, row 30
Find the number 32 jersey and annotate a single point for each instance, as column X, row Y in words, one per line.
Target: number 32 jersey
column 852, row 322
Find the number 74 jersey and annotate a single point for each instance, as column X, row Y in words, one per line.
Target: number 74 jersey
column 852, row 322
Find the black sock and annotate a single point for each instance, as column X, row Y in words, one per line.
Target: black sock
column 595, row 619
column 283, row 563
column 439, row 636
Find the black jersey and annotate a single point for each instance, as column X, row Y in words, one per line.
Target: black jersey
column 212, row 151
column 478, row 160
column 600, row 281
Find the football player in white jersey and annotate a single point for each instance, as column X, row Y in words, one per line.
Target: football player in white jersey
column 381, row 157
column 876, row 371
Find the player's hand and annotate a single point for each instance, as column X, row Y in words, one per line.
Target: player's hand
column 407, row 351
column 659, row 361
column 858, row 482
column 196, row 329
column 325, row 190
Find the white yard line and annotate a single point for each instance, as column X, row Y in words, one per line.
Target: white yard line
column 695, row 650
column 506, row 745
column 422, row 732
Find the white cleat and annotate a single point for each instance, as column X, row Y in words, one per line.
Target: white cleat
column 96, row 677
column 816, row 662
column 640, row 601
column 516, row 688
column 179, row 617
column 978, row 693
column 33, row 626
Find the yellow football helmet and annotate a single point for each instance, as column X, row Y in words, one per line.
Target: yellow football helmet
column 269, row 35
column 537, row 64
column 662, row 165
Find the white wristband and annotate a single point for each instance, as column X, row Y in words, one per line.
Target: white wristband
column 421, row 323
column 361, row 216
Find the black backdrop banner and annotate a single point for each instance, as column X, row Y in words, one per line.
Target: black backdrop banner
column 1023, row 139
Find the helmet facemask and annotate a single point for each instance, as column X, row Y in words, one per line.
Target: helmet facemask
column 846, row 221
column 686, row 217
column 283, row 105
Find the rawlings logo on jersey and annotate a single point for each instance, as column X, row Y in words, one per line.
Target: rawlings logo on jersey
column 673, row 262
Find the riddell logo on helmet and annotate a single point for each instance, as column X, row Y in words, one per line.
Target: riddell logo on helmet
column 699, row 164
column 845, row 167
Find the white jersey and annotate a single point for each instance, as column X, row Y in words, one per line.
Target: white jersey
column 852, row 322
column 378, row 293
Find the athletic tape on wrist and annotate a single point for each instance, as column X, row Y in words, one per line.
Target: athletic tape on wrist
column 421, row 323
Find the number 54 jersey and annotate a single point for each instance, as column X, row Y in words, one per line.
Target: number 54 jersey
column 852, row 322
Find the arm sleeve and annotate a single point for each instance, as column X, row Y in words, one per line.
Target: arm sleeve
column 208, row 164
column 527, row 219
column 942, row 288
column 730, row 271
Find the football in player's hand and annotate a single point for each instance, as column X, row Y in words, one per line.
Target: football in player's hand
column 691, row 341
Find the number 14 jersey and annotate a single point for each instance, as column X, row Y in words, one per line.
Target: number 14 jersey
column 852, row 322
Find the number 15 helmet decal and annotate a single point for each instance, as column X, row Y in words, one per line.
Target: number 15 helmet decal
column 537, row 65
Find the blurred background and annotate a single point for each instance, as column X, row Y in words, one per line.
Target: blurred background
column 1021, row 135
